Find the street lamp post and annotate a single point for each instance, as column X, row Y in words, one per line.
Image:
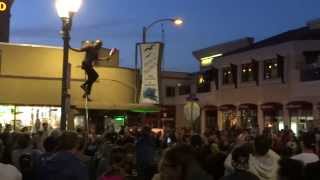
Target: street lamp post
column 66, row 9
column 176, row 21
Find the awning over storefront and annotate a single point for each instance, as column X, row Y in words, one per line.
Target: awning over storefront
column 271, row 106
column 227, row 107
column 247, row 106
column 143, row 108
column 210, row 107
column 299, row 105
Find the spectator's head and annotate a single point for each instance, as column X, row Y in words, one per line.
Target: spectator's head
column 50, row 144
column 308, row 140
column 176, row 162
column 290, row 169
column 146, row 130
column 68, row 141
column 23, row 141
column 45, row 126
column 262, row 145
column 240, row 157
column 196, row 141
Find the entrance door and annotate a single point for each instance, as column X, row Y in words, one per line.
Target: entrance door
column 211, row 119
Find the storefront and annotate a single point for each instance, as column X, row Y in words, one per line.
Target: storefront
column 300, row 116
column 229, row 116
column 273, row 116
column 27, row 116
column 211, row 117
column 248, row 116
column 167, row 117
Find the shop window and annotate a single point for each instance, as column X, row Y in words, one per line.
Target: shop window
column 203, row 84
column 247, row 72
column 27, row 116
column 248, row 118
column 311, row 69
column 300, row 120
column 170, row 91
column 184, row 89
column 227, row 76
column 271, row 69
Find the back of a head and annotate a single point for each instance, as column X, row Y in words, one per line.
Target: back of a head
column 178, row 156
column 308, row 139
column 240, row 157
column 290, row 169
column 262, row 145
column 98, row 43
column 68, row 141
column 23, row 140
column 117, row 155
column 50, row 144
column 196, row 140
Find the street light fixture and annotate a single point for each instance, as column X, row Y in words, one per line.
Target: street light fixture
column 66, row 9
column 175, row 21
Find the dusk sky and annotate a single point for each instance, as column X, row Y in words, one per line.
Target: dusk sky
column 119, row 24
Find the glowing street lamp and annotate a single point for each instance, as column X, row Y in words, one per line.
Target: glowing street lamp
column 66, row 9
column 175, row 21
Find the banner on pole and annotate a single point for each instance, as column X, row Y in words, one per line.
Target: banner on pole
column 151, row 56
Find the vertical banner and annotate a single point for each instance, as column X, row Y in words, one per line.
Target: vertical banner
column 151, row 56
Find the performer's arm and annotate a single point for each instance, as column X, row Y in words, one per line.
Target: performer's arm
column 111, row 53
column 83, row 49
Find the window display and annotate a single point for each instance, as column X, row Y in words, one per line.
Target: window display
column 26, row 116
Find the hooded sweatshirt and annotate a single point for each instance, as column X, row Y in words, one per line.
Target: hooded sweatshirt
column 265, row 167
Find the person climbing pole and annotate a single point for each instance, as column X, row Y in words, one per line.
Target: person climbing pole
column 91, row 57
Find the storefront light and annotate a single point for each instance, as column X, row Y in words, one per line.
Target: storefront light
column 270, row 67
column 244, row 70
column 209, row 59
column 201, row 80
column 250, row 70
column 229, row 72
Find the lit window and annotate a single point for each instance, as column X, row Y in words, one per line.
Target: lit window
column 247, row 73
column 271, row 69
column 227, row 75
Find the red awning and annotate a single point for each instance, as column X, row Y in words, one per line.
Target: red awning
column 299, row 105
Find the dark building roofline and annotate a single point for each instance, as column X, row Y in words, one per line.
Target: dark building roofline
column 304, row 33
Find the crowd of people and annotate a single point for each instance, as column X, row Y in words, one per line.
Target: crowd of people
column 139, row 153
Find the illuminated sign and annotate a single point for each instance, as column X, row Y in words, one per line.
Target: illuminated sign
column 3, row 6
column 208, row 60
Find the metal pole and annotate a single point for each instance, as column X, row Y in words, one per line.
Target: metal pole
column 137, row 75
column 64, row 91
column 144, row 34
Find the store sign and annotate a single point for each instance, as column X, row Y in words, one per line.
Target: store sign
column 151, row 55
column 5, row 6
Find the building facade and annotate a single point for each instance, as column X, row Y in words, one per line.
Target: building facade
column 271, row 83
column 30, row 80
